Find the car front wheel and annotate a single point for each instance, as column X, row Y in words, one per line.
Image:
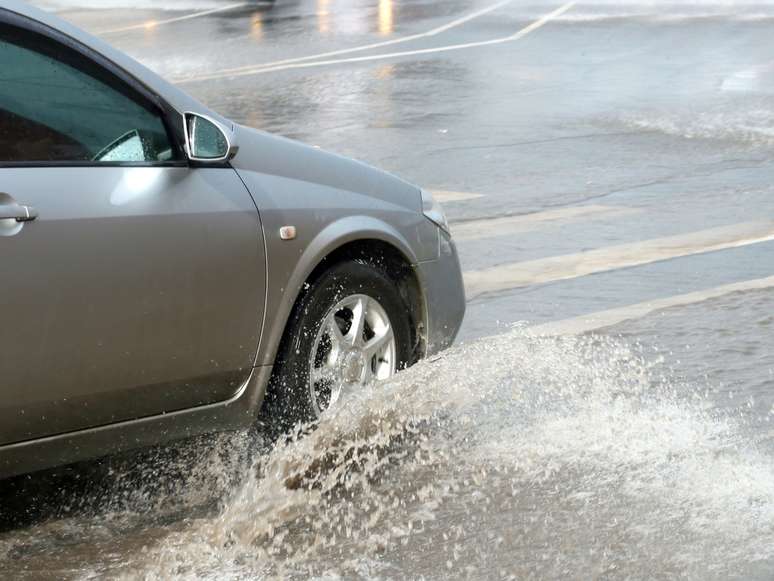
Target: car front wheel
column 349, row 329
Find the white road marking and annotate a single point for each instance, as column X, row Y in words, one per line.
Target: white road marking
column 447, row 197
column 261, row 69
column 399, row 40
column 151, row 24
column 603, row 319
column 521, row 274
column 493, row 227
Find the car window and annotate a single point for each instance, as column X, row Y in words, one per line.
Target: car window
column 57, row 108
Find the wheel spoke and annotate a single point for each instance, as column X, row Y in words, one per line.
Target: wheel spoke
column 334, row 332
column 355, row 334
column 378, row 343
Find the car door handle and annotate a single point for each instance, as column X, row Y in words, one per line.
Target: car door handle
column 18, row 212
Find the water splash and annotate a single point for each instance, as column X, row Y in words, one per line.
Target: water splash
column 518, row 455
column 515, row 456
column 739, row 124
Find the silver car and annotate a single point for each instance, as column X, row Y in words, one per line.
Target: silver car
column 167, row 272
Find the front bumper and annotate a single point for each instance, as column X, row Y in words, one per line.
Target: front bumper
column 444, row 293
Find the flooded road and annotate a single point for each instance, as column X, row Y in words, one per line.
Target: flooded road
column 606, row 414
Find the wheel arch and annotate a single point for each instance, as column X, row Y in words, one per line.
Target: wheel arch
column 371, row 241
column 396, row 265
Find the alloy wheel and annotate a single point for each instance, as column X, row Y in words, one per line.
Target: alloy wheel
column 354, row 347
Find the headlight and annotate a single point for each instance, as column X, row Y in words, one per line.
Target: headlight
column 432, row 209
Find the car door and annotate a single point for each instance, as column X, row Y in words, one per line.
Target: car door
column 131, row 284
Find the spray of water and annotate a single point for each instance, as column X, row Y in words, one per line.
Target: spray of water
column 516, row 455
column 751, row 126
column 512, row 457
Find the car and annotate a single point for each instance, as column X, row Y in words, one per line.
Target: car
column 167, row 272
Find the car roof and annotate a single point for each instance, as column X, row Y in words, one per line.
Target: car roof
column 178, row 99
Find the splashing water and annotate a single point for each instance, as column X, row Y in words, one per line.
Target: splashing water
column 748, row 126
column 515, row 456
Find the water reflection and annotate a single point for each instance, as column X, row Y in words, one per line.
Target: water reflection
column 384, row 99
column 355, row 22
column 385, row 72
column 386, row 13
column 323, row 16
column 256, row 27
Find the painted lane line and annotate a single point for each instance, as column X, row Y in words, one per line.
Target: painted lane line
column 465, row 19
column 259, row 70
column 604, row 319
column 403, row 39
column 544, row 270
column 151, row 24
column 507, row 225
column 447, row 197
column 516, row 36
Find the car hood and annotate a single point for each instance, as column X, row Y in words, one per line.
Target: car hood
column 270, row 154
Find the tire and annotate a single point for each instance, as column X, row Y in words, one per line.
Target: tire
column 290, row 401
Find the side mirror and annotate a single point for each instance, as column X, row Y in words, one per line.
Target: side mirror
column 206, row 140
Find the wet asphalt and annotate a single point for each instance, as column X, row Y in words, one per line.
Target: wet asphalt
column 610, row 125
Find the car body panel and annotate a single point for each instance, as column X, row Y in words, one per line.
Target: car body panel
column 444, row 291
column 137, row 291
column 236, row 413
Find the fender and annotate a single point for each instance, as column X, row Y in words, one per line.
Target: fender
column 281, row 299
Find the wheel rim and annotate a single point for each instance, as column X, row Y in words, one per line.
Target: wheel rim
column 354, row 346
